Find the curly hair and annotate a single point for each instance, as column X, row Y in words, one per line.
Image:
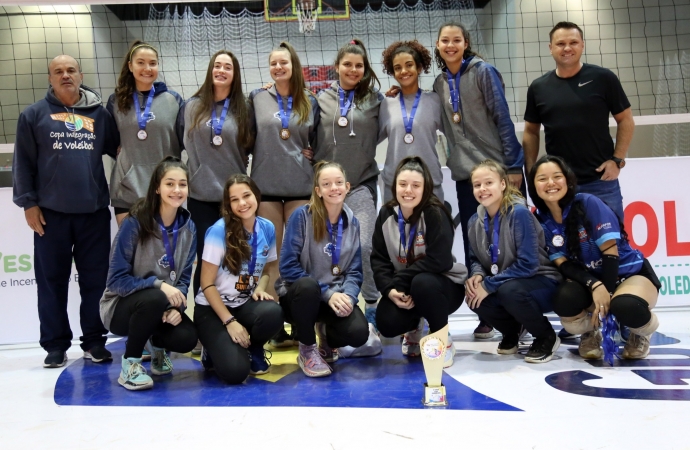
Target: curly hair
column 420, row 54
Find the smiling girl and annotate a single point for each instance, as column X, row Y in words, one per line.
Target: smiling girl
column 348, row 134
column 233, row 313
column 145, row 111
column 150, row 269
column 321, row 273
column 414, row 267
column 476, row 122
column 511, row 280
column 590, row 247
column 217, row 128
column 410, row 119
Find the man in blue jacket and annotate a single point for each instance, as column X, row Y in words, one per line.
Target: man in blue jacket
column 60, row 182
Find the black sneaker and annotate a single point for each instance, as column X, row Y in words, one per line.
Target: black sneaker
column 563, row 334
column 97, row 354
column 283, row 339
column 508, row 345
column 542, row 349
column 55, row 359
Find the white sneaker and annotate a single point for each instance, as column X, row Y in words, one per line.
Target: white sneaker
column 449, row 357
column 410, row 343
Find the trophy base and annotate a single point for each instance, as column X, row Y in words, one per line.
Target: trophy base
column 434, row 396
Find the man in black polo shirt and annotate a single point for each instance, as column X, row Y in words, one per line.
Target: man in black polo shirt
column 573, row 102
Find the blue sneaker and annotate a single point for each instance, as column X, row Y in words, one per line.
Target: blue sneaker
column 259, row 363
column 133, row 376
column 160, row 362
column 370, row 315
column 206, row 360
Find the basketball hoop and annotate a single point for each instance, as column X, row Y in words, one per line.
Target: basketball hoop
column 306, row 15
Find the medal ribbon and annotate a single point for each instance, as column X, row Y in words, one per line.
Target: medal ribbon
column 345, row 105
column 218, row 125
column 335, row 253
column 408, row 123
column 141, row 117
column 284, row 115
column 401, row 228
column 494, row 242
column 170, row 250
column 556, row 228
column 251, row 266
column 454, row 85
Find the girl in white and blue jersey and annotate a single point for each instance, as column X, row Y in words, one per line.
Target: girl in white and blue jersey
column 233, row 313
column 590, row 247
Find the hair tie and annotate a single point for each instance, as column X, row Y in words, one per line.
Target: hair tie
column 353, row 42
column 131, row 52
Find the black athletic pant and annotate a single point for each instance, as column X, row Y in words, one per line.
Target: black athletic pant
column 261, row 319
column 86, row 239
column 140, row 316
column 435, row 297
column 204, row 215
column 303, row 307
column 522, row 301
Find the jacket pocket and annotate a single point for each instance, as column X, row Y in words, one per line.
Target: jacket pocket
column 134, row 184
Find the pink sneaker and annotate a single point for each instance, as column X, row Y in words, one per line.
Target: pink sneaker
column 330, row 355
column 311, row 362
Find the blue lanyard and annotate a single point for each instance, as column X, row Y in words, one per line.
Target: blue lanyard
column 454, row 85
column 335, row 252
column 401, row 228
column 218, row 125
column 345, row 105
column 408, row 123
column 255, row 245
column 558, row 228
column 170, row 250
column 494, row 241
column 143, row 117
column 285, row 115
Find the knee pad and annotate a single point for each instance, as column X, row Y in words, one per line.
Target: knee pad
column 577, row 325
column 647, row 329
column 631, row 310
column 570, row 299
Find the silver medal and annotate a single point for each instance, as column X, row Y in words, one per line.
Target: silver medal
column 408, row 138
column 558, row 240
column 173, row 275
column 217, row 140
column 494, row 269
column 342, row 121
column 142, row 135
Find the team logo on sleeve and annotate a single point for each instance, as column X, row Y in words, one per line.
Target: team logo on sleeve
column 74, row 122
column 264, row 252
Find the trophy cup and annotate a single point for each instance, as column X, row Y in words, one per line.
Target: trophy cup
column 433, row 349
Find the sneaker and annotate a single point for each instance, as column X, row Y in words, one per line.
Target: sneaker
column 283, row 339
column 98, row 354
column 563, row 335
column 311, row 362
column 449, row 357
column 206, row 360
column 624, row 332
column 590, row 345
column 330, row 355
column 160, row 362
column 410, row 343
column 55, row 359
column 146, row 354
column 197, row 350
column 370, row 315
column 508, row 345
column 483, row 331
column 542, row 349
column 133, row 375
column 637, row 347
column 259, row 363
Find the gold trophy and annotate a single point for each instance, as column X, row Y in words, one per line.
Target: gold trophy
column 433, row 349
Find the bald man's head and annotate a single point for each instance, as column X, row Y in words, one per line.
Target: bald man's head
column 65, row 77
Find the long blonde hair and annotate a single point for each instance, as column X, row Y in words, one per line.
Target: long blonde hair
column 319, row 215
column 511, row 195
column 298, row 88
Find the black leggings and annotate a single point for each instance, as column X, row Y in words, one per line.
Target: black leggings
column 435, row 297
column 261, row 319
column 204, row 214
column 140, row 316
column 303, row 307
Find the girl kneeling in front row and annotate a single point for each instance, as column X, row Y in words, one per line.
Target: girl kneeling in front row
column 590, row 247
column 233, row 313
column 321, row 273
column 511, row 280
column 413, row 262
column 150, row 269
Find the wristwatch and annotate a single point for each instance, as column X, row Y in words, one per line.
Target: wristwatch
column 620, row 162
